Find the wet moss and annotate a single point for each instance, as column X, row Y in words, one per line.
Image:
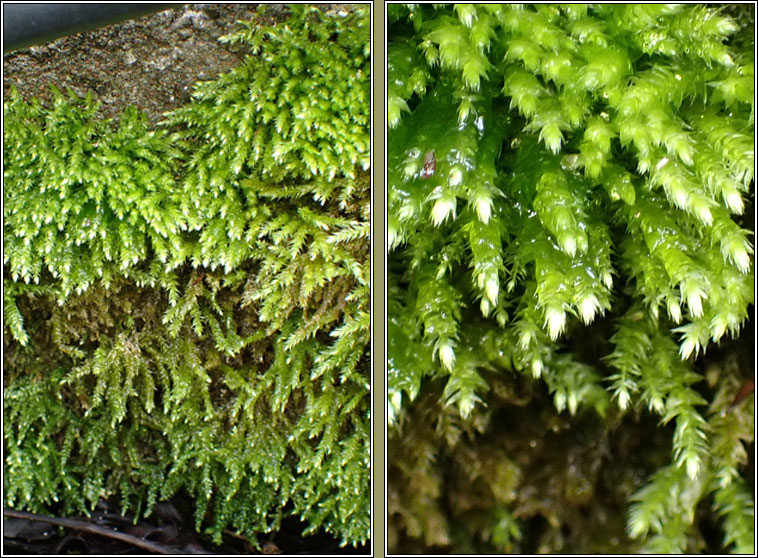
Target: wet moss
column 566, row 218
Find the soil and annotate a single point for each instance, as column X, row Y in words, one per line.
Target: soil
column 151, row 62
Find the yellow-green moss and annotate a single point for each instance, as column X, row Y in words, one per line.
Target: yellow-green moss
column 567, row 195
column 187, row 309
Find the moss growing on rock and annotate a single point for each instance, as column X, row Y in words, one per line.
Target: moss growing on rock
column 187, row 308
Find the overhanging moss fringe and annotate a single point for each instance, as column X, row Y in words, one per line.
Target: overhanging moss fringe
column 568, row 196
column 187, row 308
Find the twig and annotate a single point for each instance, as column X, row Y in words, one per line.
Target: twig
column 236, row 535
column 94, row 529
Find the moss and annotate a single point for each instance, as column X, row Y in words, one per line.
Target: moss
column 567, row 230
column 187, row 307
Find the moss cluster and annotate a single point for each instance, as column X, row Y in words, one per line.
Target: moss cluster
column 187, row 308
column 567, row 195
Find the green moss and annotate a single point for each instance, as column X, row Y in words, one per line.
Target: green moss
column 187, row 309
column 567, row 187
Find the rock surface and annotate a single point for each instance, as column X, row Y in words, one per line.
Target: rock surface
column 151, row 62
